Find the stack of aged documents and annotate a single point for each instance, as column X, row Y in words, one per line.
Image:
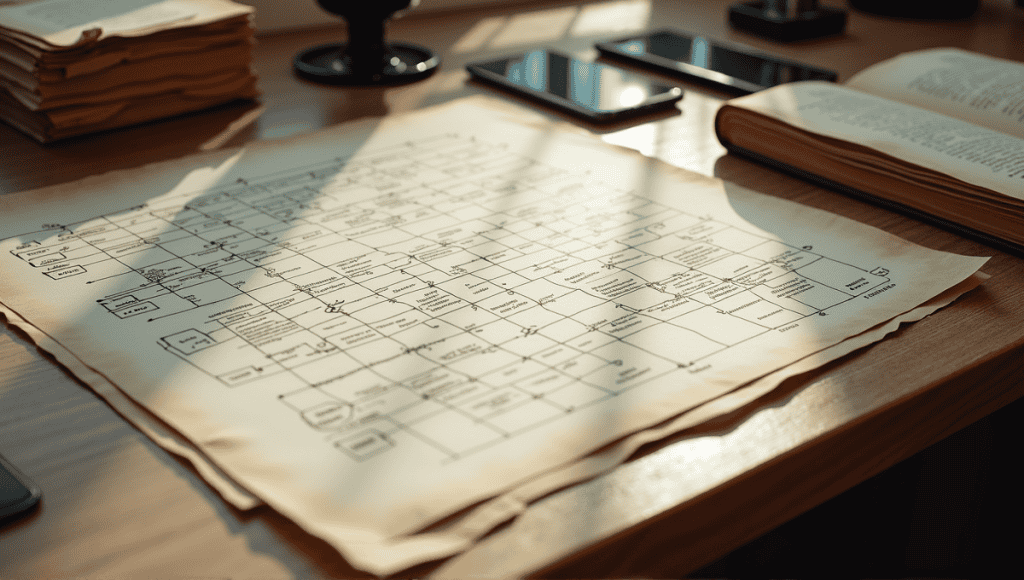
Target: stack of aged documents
column 70, row 67
column 399, row 333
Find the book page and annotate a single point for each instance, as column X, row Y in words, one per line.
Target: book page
column 64, row 23
column 949, row 146
column 373, row 327
column 980, row 89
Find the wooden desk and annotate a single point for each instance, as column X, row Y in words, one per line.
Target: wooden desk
column 115, row 505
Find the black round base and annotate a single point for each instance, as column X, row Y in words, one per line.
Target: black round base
column 402, row 63
column 919, row 9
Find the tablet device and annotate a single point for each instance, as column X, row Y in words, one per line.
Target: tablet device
column 17, row 493
column 596, row 91
column 730, row 67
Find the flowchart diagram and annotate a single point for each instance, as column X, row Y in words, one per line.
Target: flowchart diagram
column 442, row 290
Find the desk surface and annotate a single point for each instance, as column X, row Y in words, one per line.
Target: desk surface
column 115, row 505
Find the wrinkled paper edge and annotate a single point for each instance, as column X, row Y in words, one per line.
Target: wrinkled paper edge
column 389, row 556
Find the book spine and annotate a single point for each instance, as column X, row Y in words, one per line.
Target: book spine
column 961, row 230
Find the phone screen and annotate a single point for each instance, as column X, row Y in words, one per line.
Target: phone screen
column 596, row 90
column 730, row 67
column 17, row 494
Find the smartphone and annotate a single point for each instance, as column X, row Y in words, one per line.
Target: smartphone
column 729, row 67
column 599, row 92
column 17, row 493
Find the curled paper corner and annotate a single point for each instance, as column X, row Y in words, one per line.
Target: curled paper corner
column 89, row 36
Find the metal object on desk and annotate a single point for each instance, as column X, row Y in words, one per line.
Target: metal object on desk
column 366, row 59
column 787, row 20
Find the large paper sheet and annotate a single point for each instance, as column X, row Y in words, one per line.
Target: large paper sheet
column 516, row 500
column 373, row 327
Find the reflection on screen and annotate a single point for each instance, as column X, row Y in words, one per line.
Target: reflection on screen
column 590, row 85
column 700, row 52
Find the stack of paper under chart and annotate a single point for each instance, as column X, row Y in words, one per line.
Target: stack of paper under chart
column 399, row 333
column 70, row 67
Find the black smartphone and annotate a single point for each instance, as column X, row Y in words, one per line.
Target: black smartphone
column 599, row 92
column 734, row 68
column 17, row 492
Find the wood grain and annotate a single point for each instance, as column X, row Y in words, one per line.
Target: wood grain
column 115, row 505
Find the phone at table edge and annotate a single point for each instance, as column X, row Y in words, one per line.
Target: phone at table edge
column 650, row 95
column 18, row 494
column 731, row 67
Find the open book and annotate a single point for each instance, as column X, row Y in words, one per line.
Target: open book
column 936, row 133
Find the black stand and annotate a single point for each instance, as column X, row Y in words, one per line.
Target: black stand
column 766, row 20
column 919, row 9
column 365, row 59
